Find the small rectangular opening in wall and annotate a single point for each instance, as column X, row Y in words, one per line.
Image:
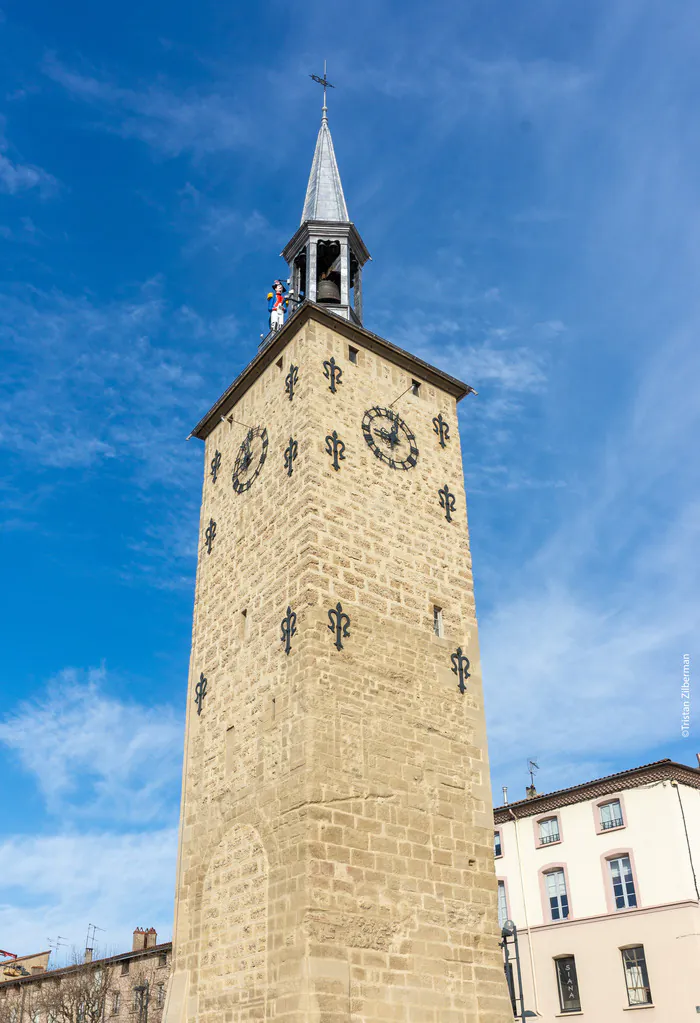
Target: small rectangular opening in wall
column 352, row 354
column 415, row 388
column 437, row 621
column 230, row 748
column 244, row 623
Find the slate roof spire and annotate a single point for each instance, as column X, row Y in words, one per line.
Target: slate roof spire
column 326, row 254
column 324, row 193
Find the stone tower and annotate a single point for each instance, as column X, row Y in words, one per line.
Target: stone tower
column 336, row 836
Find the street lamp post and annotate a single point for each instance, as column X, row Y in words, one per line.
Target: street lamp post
column 511, row 931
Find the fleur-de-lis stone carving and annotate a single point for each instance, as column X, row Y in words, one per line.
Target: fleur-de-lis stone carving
column 200, row 691
column 289, row 629
column 339, row 623
column 447, row 501
column 332, row 372
column 460, row 668
column 209, row 535
column 291, row 379
column 215, row 466
column 442, row 429
column 336, row 449
column 290, row 453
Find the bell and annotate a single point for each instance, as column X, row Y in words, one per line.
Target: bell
column 328, row 292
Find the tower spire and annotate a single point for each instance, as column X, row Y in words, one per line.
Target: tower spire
column 325, row 199
column 326, row 254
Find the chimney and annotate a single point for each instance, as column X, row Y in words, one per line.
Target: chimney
column 698, row 756
column 88, row 955
column 139, row 941
column 505, row 795
column 151, row 938
column 530, row 792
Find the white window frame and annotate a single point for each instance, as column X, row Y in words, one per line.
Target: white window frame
column 618, row 861
column 616, row 821
column 546, row 839
column 502, row 903
column 558, row 891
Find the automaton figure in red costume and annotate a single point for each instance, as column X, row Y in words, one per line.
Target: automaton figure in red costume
column 277, row 303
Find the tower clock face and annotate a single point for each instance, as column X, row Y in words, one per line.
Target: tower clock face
column 250, row 459
column 390, row 438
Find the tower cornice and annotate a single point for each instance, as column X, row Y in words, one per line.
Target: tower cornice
column 313, row 228
column 358, row 335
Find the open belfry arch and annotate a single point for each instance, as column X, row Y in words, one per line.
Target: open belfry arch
column 336, row 836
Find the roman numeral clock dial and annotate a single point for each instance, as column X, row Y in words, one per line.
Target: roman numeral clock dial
column 250, row 459
column 388, row 436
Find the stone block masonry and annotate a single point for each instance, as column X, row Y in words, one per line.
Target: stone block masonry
column 336, row 844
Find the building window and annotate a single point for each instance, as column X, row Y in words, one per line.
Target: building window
column 163, row 956
column 549, row 831
column 636, row 976
column 415, row 388
column 497, row 847
column 610, row 815
column 555, row 883
column 437, row 620
column 125, row 968
column 160, row 995
column 136, row 1000
column 352, row 354
column 567, row 982
column 622, row 883
column 115, row 1003
column 502, row 904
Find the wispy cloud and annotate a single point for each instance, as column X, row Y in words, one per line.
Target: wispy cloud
column 16, row 176
column 104, row 381
column 225, row 229
column 172, row 122
column 583, row 646
column 95, row 756
column 58, row 884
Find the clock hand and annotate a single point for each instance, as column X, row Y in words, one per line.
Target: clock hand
column 247, row 455
column 390, row 438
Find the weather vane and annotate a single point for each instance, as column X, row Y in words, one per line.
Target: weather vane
column 326, row 85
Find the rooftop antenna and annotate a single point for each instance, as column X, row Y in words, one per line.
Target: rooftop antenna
column 90, row 938
column 530, row 790
column 326, row 85
column 55, row 943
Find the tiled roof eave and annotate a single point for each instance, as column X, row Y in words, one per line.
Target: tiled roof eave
column 660, row 770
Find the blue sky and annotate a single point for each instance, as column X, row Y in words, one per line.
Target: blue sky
column 525, row 176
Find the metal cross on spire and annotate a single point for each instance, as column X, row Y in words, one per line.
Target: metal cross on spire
column 326, row 85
